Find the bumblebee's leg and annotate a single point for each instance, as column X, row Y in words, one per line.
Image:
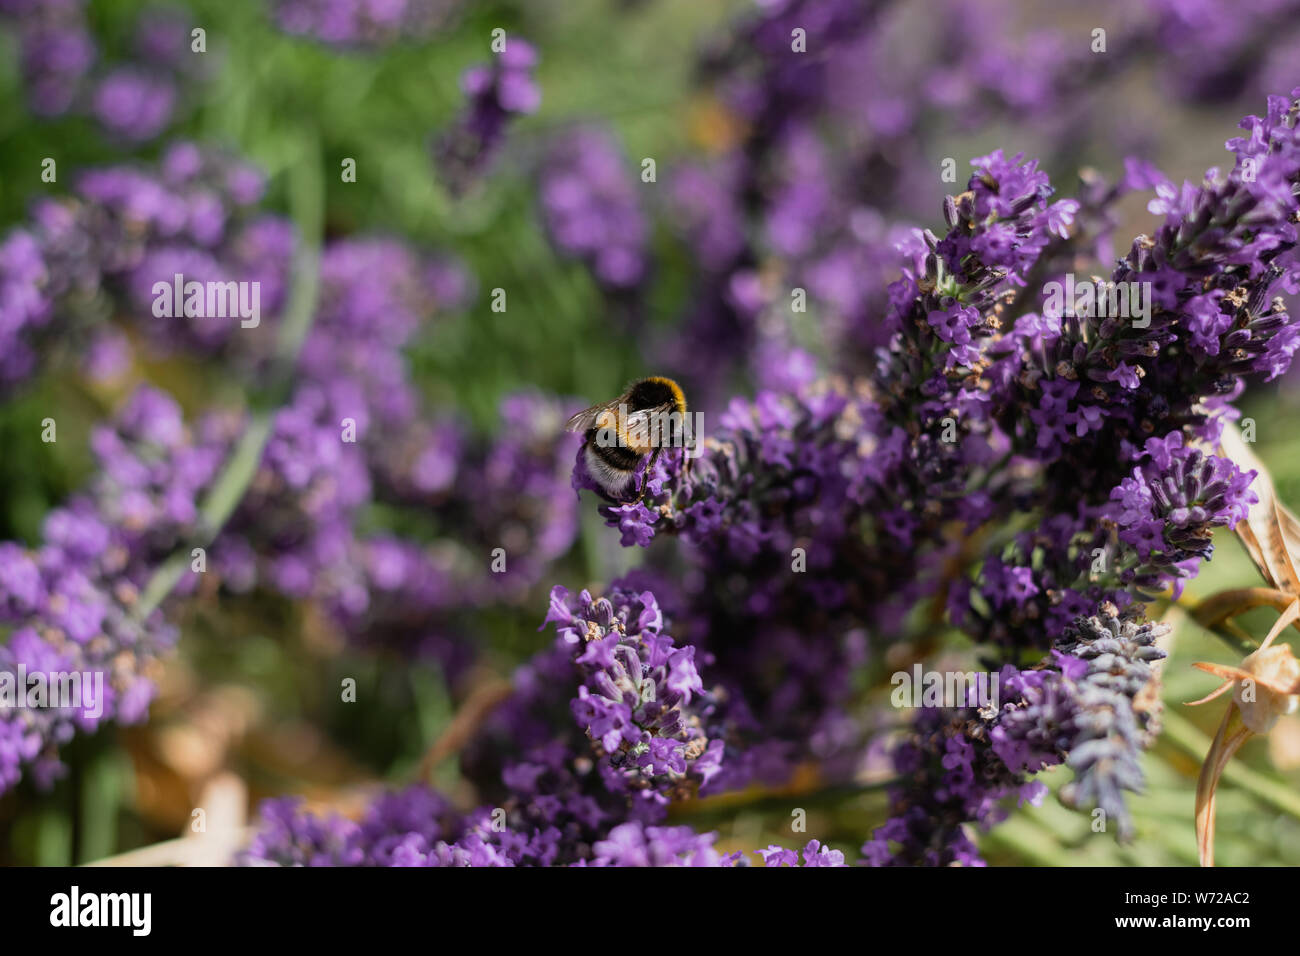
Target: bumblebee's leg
column 645, row 475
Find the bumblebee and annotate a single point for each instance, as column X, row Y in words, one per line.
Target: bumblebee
column 618, row 435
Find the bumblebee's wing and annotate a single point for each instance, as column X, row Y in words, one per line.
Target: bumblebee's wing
column 586, row 418
column 642, row 434
column 642, row 417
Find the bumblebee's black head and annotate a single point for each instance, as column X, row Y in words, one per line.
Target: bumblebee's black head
column 654, row 392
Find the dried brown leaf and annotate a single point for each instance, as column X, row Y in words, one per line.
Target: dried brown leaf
column 1231, row 735
column 1270, row 532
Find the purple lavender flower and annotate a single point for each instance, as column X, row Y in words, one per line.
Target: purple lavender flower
column 814, row 854
column 362, row 24
column 1213, row 48
column 134, row 104
column 496, row 92
column 554, row 807
column 590, row 207
column 1085, row 705
column 415, row 827
column 403, row 828
column 781, row 486
column 162, row 39
column 71, row 603
column 133, row 101
column 58, row 51
column 631, row 844
column 974, row 380
column 516, row 493
column 642, row 701
column 127, row 229
column 24, row 306
column 1116, row 717
column 288, row 837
